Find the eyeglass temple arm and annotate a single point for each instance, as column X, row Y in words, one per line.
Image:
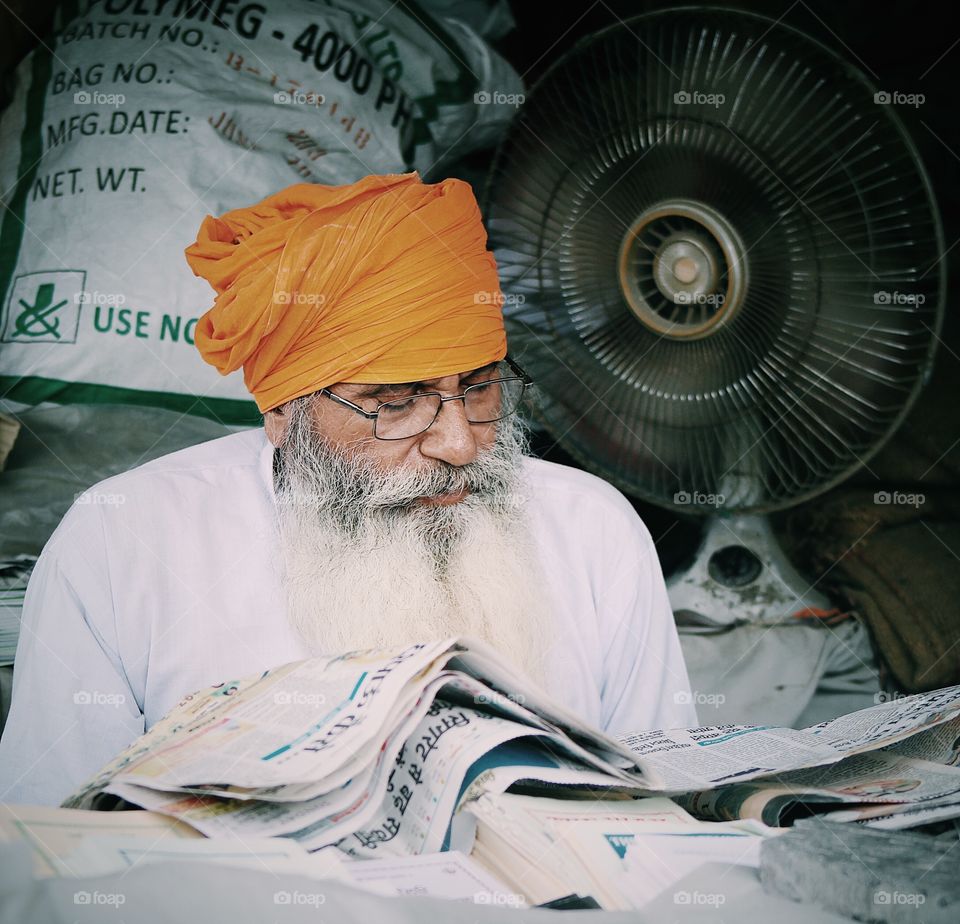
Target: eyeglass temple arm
column 354, row 407
column 520, row 372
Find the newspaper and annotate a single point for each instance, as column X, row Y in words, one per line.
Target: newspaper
column 439, row 768
column 54, row 834
column 14, row 575
column 701, row 758
column 682, row 760
column 940, row 744
column 900, row 817
column 302, row 722
column 895, row 759
column 897, row 814
column 328, row 749
column 873, row 778
column 889, row 722
column 612, row 850
column 296, row 724
column 378, row 752
column 70, row 843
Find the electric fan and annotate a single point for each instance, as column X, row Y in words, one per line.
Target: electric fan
column 721, row 260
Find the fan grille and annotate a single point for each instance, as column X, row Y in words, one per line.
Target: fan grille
column 724, row 257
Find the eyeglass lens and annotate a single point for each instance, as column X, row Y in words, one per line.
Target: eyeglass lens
column 483, row 403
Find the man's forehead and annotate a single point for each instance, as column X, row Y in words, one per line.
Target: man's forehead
column 369, row 389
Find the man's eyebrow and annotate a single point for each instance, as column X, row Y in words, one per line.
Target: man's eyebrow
column 372, row 391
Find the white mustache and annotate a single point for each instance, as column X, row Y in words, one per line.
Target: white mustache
column 349, row 482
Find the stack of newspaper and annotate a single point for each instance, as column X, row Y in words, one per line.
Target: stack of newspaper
column 622, row 853
column 14, row 575
column 441, row 747
column 368, row 750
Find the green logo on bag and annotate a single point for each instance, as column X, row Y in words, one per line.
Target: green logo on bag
column 34, row 320
column 44, row 307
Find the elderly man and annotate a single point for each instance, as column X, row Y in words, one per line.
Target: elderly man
column 387, row 499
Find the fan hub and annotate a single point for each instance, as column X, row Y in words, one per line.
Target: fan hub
column 686, row 270
column 682, row 270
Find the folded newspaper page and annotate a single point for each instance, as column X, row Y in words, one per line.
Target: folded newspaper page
column 705, row 758
column 882, row 779
column 370, row 750
column 897, row 761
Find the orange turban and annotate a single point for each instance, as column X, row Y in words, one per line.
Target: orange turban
column 384, row 280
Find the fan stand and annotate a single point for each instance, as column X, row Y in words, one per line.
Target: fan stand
column 740, row 574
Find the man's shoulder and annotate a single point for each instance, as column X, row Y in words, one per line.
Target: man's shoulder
column 240, row 449
column 207, row 476
column 568, row 488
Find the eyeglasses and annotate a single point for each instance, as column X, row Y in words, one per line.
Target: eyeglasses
column 485, row 402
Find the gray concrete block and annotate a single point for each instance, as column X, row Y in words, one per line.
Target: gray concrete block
column 889, row 877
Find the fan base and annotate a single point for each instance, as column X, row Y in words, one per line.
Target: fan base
column 741, row 575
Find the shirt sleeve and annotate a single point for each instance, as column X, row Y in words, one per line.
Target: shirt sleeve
column 646, row 684
column 72, row 707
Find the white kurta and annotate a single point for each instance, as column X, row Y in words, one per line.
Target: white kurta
column 165, row 579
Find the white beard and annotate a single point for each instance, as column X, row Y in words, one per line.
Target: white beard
column 366, row 567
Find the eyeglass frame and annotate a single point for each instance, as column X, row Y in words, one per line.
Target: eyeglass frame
column 524, row 378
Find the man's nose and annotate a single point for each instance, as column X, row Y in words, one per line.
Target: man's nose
column 451, row 438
